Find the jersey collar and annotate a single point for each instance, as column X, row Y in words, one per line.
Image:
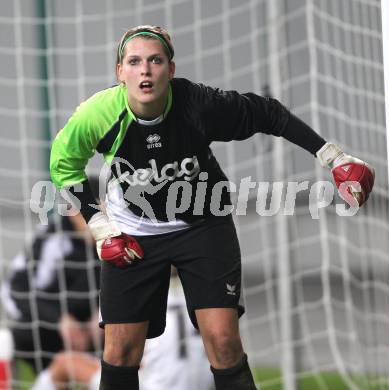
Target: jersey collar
column 158, row 119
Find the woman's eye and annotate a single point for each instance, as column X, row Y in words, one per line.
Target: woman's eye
column 133, row 61
column 157, row 60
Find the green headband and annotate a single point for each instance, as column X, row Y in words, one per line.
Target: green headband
column 150, row 34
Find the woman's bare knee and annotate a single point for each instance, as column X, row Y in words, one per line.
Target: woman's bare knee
column 220, row 331
column 224, row 350
column 124, row 343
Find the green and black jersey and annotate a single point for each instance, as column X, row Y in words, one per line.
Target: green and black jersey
column 168, row 157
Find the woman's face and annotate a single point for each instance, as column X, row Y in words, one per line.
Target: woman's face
column 146, row 71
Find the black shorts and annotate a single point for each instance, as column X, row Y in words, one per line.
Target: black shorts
column 207, row 257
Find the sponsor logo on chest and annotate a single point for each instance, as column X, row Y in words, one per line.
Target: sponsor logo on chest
column 153, row 141
column 188, row 169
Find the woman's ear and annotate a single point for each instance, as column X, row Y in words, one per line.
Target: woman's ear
column 172, row 69
column 118, row 73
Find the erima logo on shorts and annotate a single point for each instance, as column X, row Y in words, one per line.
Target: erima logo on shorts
column 231, row 289
column 152, row 140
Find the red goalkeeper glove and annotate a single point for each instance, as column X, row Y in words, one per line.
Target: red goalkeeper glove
column 353, row 177
column 112, row 245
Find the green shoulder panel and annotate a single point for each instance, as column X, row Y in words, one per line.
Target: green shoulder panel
column 76, row 143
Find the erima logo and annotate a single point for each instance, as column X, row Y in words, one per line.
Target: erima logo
column 152, row 140
column 231, row 289
column 346, row 168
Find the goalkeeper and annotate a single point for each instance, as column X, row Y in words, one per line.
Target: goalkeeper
column 155, row 132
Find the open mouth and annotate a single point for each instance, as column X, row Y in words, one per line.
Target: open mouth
column 146, row 86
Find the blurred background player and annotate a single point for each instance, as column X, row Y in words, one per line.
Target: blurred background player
column 61, row 257
column 174, row 361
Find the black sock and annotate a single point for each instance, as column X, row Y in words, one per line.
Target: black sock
column 238, row 377
column 118, row 377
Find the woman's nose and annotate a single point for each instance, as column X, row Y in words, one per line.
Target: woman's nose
column 145, row 68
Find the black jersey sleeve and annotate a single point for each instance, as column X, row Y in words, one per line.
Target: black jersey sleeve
column 87, row 199
column 301, row 134
column 229, row 115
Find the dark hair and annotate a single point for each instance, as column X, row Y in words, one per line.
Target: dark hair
column 158, row 32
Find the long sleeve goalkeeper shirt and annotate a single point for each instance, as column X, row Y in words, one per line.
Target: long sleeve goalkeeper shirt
column 150, row 161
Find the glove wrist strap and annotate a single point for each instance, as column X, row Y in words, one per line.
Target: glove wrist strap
column 328, row 154
column 101, row 227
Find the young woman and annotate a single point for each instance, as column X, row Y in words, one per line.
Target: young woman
column 168, row 191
